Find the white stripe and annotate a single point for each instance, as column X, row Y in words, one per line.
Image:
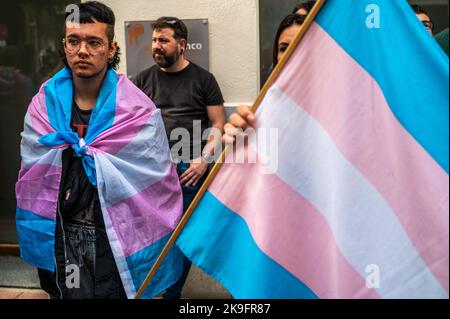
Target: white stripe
column 33, row 152
column 365, row 227
column 148, row 161
column 116, row 247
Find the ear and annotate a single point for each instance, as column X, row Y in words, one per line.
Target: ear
column 183, row 46
column 112, row 50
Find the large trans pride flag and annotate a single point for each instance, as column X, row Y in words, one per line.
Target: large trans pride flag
column 359, row 204
column 125, row 154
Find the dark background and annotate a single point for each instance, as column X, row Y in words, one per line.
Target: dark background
column 30, row 37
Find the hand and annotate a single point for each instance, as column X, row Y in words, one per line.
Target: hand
column 239, row 121
column 195, row 171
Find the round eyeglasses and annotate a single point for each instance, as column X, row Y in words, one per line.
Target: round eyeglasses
column 428, row 24
column 73, row 45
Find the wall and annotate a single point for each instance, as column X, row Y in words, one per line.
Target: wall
column 233, row 28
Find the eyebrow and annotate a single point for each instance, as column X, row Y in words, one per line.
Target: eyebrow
column 161, row 38
column 89, row 37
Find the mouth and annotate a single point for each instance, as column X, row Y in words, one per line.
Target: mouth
column 83, row 64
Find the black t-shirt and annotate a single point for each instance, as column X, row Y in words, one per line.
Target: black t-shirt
column 183, row 98
column 79, row 203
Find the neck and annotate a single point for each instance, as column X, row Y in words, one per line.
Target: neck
column 180, row 65
column 86, row 90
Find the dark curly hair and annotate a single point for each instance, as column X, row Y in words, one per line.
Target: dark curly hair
column 179, row 28
column 91, row 12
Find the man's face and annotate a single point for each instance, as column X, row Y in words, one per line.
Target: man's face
column 88, row 49
column 166, row 49
column 426, row 22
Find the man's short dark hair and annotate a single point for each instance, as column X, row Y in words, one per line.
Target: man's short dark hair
column 92, row 12
column 419, row 9
column 307, row 6
column 179, row 28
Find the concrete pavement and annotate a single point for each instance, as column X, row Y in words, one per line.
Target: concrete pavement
column 19, row 280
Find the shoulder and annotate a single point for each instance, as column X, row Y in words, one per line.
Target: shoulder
column 145, row 74
column 206, row 78
column 129, row 96
column 200, row 71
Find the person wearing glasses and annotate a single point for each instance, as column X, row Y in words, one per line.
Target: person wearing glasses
column 424, row 17
column 190, row 99
column 79, row 188
column 89, row 51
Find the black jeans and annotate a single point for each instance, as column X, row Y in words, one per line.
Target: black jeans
column 85, row 266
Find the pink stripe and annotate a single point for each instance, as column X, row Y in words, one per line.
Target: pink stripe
column 39, row 116
column 147, row 217
column 37, row 190
column 344, row 98
column 289, row 230
column 133, row 112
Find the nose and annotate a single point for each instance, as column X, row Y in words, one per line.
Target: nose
column 83, row 48
column 158, row 44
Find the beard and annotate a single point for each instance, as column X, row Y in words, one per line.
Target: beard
column 165, row 61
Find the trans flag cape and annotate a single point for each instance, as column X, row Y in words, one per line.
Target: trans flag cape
column 125, row 154
column 357, row 202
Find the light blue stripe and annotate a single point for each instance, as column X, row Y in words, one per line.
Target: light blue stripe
column 36, row 238
column 407, row 63
column 102, row 117
column 59, row 97
column 140, row 264
column 220, row 243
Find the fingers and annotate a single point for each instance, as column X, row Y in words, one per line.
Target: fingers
column 238, row 121
column 186, row 176
column 190, row 177
column 230, row 133
column 231, row 130
column 193, row 181
column 244, row 112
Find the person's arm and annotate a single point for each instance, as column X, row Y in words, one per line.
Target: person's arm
column 217, row 117
column 199, row 166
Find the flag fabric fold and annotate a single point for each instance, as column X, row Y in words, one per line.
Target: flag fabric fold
column 358, row 206
column 125, row 155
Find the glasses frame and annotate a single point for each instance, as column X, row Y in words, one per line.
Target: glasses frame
column 428, row 24
column 88, row 47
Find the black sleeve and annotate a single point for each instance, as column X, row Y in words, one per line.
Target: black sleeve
column 137, row 80
column 213, row 94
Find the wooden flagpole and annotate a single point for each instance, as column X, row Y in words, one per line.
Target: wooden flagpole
column 276, row 72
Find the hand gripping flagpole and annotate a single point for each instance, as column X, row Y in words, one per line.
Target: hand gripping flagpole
column 276, row 72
